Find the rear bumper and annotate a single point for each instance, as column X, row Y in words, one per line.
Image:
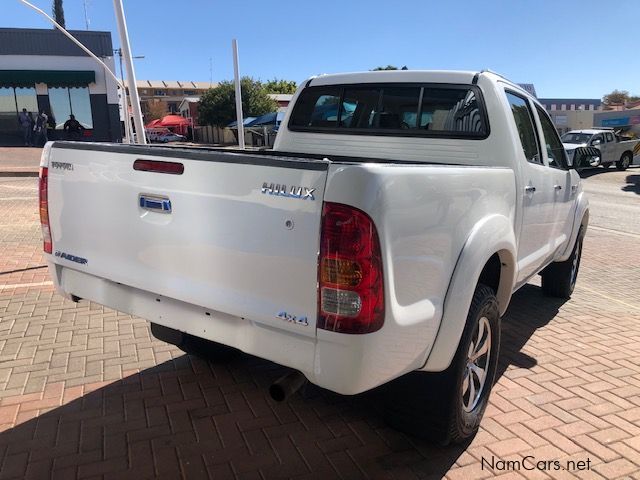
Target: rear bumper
column 346, row 364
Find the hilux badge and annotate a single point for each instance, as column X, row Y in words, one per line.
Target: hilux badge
column 293, row 192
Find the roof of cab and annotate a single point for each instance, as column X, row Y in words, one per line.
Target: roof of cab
column 392, row 76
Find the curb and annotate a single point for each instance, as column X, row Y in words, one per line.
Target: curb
column 19, row 174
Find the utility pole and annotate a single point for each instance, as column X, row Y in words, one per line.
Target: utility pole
column 131, row 76
column 236, row 73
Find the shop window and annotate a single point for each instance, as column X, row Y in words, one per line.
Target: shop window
column 66, row 101
column 12, row 101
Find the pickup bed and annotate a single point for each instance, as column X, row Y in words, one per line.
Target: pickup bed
column 379, row 243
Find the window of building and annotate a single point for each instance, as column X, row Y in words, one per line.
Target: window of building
column 563, row 107
column 400, row 109
column 189, row 92
column 592, row 107
column 66, row 101
column 12, row 101
column 159, row 93
column 555, row 150
column 572, row 107
column 524, row 123
column 553, row 106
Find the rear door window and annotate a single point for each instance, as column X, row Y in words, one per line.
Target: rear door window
column 609, row 137
column 524, row 123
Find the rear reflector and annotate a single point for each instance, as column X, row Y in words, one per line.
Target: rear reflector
column 351, row 293
column 43, row 194
column 173, row 168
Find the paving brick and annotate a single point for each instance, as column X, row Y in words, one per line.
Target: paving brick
column 86, row 391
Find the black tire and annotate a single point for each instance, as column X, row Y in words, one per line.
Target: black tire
column 559, row 278
column 436, row 406
column 624, row 162
column 191, row 345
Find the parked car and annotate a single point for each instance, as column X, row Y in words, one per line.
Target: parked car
column 374, row 246
column 153, row 133
column 170, row 137
column 612, row 148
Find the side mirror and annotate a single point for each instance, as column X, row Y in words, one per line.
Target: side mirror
column 585, row 157
column 596, row 142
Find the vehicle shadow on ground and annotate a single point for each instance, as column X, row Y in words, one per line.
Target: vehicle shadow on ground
column 191, row 418
column 590, row 172
column 633, row 184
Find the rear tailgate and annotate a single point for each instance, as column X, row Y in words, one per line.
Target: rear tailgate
column 211, row 236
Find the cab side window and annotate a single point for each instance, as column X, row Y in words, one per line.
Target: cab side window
column 524, row 123
column 609, row 137
column 555, row 150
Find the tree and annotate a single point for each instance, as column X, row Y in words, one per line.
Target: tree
column 618, row 97
column 155, row 110
column 58, row 12
column 280, row 86
column 218, row 105
column 389, row 67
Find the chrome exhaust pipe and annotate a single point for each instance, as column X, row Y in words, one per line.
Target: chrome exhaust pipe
column 286, row 386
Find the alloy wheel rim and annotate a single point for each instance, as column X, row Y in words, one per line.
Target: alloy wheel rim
column 477, row 366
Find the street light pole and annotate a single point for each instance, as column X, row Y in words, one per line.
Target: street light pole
column 131, row 75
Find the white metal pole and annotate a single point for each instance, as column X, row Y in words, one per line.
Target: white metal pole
column 236, row 73
column 131, row 75
column 125, row 104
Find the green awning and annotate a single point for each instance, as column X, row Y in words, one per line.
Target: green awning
column 53, row 78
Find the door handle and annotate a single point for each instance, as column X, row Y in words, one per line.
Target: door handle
column 557, row 187
column 574, row 188
column 529, row 189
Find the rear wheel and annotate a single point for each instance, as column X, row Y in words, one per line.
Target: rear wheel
column 198, row 347
column 447, row 407
column 624, row 162
column 559, row 278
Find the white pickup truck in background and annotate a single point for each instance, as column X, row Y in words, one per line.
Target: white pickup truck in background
column 380, row 242
column 612, row 148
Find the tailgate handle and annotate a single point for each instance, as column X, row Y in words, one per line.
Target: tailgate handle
column 155, row 203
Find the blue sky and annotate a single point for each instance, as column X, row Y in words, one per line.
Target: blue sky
column 567, row 48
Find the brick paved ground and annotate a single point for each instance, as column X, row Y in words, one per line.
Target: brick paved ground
column 86, row 392
column 19, row 160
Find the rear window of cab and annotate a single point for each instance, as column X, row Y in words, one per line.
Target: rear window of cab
column 445, row 111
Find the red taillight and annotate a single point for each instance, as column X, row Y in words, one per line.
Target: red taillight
column 351, row 292
column 173, row 168
column 44, row 209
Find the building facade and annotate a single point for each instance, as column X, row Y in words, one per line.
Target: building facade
column 572, row 113
column 42, row 70
column 626, row 121
column 163, row 97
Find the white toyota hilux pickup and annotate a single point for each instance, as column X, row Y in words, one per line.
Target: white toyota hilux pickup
column 379, row 242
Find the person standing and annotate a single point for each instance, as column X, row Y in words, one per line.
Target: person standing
column 40, row 128
column 26, row 123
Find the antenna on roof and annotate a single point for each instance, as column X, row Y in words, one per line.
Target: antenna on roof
column 86, row 16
